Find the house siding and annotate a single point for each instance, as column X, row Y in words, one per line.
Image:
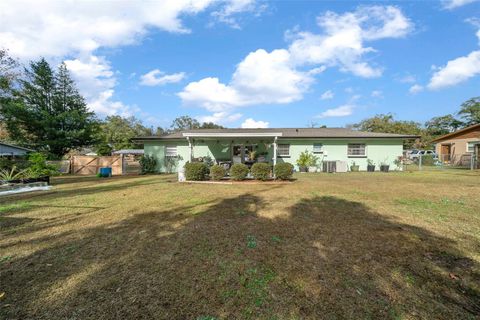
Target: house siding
column 386, row 150
column 378, row 150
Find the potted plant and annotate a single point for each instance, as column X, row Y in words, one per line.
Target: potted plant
column 354, row 167
column 303, row 161
column 384, row 166
column 370, row 165
column 252, row 155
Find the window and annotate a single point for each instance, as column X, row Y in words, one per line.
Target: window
column 283, row 150
column 170, row 151
column 356, row 150
column 471, row 146
column 317, row 148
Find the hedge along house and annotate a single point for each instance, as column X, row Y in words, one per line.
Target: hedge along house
column 273, row 146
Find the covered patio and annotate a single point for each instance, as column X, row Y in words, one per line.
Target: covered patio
column 229, row 148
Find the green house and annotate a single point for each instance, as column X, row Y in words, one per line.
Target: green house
column 273, row 145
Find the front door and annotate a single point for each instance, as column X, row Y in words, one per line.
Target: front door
column 445, row 153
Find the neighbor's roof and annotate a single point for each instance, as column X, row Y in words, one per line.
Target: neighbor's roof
column 280, row 132
column 129, row 151
column 16, row 147
column 453, row 134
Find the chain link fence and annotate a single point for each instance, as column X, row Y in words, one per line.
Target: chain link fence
column 468, row 161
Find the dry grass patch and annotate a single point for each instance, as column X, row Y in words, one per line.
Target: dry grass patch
column 380, row 246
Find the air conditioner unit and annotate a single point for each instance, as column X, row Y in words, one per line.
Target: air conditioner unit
column 329, row 166
column 342, row 166
column 335, row 166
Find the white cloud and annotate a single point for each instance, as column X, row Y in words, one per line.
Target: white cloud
column 327, row 95
column 228, row 13
column 261, row 78
column 284, row 75
column 220, row 117
column 407, row 79
column 75, row 30
column 416, row 88
column 456, row 71
column 341, row 111
column 342, row 43
column 476, row 23
column 159, row 78
column 376, row 94
column 452, row 4
column 96, row 80
column 211, row 94
column 59, row 28
column 252, row 124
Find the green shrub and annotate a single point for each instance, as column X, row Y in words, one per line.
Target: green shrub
column 171, row 163
column 261, row 171
column 238, row 171
column 307, row 159
column 217, row 172
column 38, row 166
column 148, row 164
column 283, row 171
column 196, row 171
column 428, row 160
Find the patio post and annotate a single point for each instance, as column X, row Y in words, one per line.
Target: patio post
column 190, row 148
column 275, row 151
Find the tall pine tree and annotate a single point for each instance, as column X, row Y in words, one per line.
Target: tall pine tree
column 49, row 114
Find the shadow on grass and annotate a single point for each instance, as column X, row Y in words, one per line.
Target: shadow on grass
column 123, row 183
column 328, row 258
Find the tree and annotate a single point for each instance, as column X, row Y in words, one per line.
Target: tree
column 386, row 123
column 470, row 111
column 159, row 131
column 211, row 125
column 438, row 126
column 184, row 123
column 8, row 74
column 117, row 132
column 189, row 123
column 314, row 124
column 47, row 113
column 8, row 78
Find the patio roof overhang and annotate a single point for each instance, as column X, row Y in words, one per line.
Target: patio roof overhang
column 231, row 135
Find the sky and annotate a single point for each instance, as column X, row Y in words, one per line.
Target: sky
column 256, row 63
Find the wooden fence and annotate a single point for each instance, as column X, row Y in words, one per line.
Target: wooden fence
column 90, row 165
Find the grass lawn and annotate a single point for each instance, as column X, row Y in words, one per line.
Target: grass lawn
column 344, row 246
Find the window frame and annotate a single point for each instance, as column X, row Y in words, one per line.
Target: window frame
column 473, row 146
column 321, row 148
column 278, row 150
column 364, row 155
column 167, row 146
